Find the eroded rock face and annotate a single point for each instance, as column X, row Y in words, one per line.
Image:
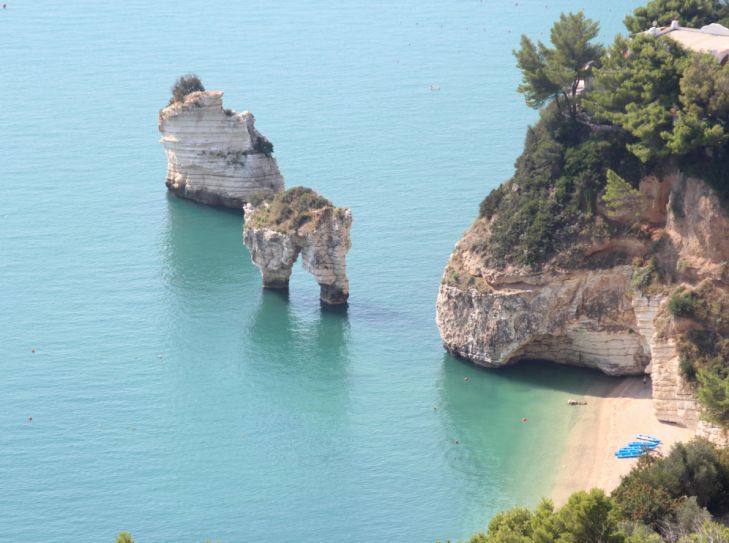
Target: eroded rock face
column 592, row 315
column 322, row 241
column 583, row 318
column 216, row 156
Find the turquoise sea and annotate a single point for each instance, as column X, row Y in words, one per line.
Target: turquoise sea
column 170, row 396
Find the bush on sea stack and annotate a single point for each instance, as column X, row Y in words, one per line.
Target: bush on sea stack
column 185, row 85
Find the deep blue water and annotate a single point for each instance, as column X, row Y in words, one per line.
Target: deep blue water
column 169, row 395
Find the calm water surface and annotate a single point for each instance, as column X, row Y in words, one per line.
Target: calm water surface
column 173, row 398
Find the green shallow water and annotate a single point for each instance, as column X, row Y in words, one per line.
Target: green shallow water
column 170, row 395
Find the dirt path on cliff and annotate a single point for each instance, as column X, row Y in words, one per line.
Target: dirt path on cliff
column 614, row 414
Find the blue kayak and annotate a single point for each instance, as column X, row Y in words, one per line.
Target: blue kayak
column 633, row 454
column 644, row 444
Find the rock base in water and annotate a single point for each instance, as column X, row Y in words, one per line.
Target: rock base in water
column 300, row 222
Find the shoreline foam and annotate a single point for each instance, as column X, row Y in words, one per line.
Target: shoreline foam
column 614, row 414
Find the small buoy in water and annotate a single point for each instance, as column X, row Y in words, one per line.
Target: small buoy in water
column 30, row 419
column 435, row 88
column 456, row 441
column 524, row 419
column 32, row 350
column 435, row 408
column 466, row 379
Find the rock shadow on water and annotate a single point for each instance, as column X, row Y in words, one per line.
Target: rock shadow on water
column 510, row 422
column 298, row 356
column 202, row 247
column 290, row 333
column 537, row 374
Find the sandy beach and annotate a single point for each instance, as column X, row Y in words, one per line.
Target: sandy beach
column 614, row 414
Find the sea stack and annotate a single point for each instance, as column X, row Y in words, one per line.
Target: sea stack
column 300, row 221
column 216, row 156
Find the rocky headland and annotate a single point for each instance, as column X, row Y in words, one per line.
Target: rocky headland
column 570, row 262
column 599, row 303
column 300, row 222
column 216, row 156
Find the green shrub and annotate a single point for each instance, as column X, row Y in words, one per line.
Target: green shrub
column 684, row 304
column 695, row 469
column 708, row 532
column 185, row 85
column 687, row 368
column 620, row 197
column 256, row 199
column 640, row 501
column 654, row 490
column 643, row 276
column 690, row 516
column 587, row 517
column 291, row 209
column 639, row 533
column 713, row 393
column 490, row 205
column 262, row 145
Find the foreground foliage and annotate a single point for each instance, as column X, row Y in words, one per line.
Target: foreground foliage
column 669, row 499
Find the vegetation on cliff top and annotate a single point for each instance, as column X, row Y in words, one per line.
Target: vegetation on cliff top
column 290, row 210
column 185, row 85
column 651, row 106
column 669, row 499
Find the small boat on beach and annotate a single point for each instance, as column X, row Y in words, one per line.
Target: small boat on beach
column 643, row 444
column 635, row 449
column 629, row 454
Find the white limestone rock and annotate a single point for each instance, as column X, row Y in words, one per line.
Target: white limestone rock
column 584, row 318
column 216, row 156
column 277, row 232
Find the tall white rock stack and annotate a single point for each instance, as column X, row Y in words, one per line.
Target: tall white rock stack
column 216, row 156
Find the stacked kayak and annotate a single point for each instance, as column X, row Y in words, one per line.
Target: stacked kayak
column 634, row 449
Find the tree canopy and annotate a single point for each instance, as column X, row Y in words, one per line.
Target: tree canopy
column 690, row 13
column 555, row 72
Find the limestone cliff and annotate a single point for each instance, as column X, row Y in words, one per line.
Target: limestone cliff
column 299, row 221
column 216, row 156
column 601, row 312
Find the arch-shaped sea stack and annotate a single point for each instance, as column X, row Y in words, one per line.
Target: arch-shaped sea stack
column 299, row 221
